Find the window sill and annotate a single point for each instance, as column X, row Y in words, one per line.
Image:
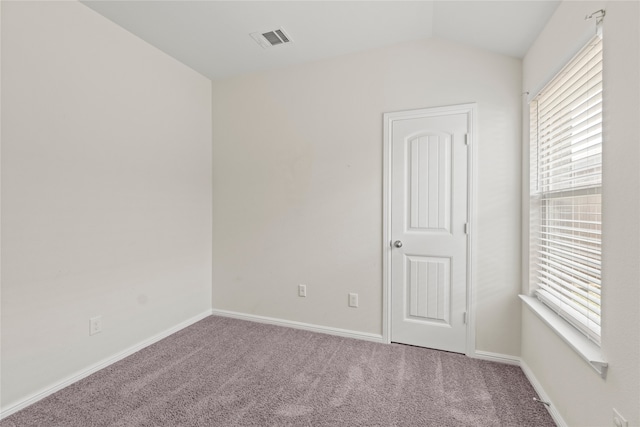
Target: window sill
column 576, row 340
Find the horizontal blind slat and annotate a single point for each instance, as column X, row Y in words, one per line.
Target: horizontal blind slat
column 562, row 259
column 590, row 51
column 591, row 300
column 581, row 231
column 588, row 242
column 587, row 96
column 585, row 311
column 567, row 272
column 595, row 252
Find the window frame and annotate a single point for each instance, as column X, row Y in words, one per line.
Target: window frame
column 560, row 294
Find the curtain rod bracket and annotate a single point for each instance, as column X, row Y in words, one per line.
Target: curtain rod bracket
column 598, row 14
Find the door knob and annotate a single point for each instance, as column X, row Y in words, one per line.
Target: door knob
column 397, row 244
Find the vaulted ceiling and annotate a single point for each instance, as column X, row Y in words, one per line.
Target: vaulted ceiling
column 213, row 37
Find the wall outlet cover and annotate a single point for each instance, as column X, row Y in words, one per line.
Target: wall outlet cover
column 95, row 325
column 353, row 300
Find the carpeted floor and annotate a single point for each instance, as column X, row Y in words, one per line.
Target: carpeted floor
column 227, row 372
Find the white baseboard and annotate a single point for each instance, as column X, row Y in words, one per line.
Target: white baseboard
column 513, row 360
column 33, row 398
column 300, row 325
column 495, row 357
column 543, row 395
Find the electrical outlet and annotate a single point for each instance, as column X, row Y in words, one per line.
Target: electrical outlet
column 302, row 290
column 619, row 420
column 95, row 325
column 353, row 300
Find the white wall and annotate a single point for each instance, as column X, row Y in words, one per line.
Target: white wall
column 106, row 192
column 579, row 394
column 298, row 183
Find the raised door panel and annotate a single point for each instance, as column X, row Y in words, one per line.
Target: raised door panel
column 428, row 289
column 429, row 179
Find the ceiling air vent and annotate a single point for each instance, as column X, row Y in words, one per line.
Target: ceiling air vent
column 271, row 38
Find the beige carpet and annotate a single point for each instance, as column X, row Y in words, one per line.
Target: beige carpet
column 226, row 372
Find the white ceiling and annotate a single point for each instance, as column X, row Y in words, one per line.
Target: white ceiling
column 212, row 37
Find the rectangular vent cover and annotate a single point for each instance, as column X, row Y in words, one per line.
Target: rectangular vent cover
column 271, row 38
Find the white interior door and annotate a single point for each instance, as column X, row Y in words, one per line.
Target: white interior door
column 428, row 228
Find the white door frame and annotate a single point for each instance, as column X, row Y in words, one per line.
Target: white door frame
column 389, row 118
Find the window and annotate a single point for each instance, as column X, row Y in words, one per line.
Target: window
column 566, row 177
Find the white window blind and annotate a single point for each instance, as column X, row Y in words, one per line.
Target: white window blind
column 566, row 176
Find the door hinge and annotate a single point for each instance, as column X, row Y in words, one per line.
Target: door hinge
column 466, row 139
column 466, row 228
column 464, row 317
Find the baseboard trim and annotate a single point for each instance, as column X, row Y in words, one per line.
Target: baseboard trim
column 33, row 398
column 517, row 361
column 300, row 325
column 543, row 395
column 496, row 357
